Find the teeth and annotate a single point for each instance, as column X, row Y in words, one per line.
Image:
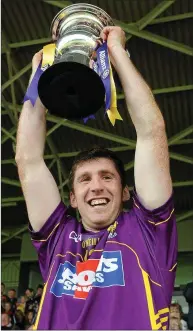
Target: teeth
column 98, row 202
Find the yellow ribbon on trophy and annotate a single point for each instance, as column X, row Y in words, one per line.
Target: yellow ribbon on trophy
column 113, row 113
column 48, row 55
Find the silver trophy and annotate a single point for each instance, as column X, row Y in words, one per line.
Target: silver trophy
column 70, row 88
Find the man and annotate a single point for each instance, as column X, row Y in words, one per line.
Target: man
column 29, row 292
column 30, row 299
column 12, row 298
column 112, row 270
column 37, row 298
column 39, row 292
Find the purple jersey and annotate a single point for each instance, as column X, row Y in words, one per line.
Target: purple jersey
column 119, row 278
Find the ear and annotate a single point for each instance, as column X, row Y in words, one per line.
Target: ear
column 73, row 201
column 126, row 194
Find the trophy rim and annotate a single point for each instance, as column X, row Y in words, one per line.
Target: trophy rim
column 52, row 27
column 48, row 90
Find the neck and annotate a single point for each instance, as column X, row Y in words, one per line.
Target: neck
column 103, row 226
column 97, row 229
column 87, row 228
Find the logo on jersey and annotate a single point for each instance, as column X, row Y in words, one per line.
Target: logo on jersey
column 78, row 281
column 111, row 229
column 76, row 237
column 112, row 235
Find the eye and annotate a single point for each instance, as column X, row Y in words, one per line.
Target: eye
column 85, row 179
column 107, row 177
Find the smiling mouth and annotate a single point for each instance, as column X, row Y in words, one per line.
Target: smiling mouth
column 98, row 202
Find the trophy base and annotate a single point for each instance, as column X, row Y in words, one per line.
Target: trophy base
column 71, row 90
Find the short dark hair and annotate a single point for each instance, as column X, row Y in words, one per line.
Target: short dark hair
column 12, row 289
column 30, row 289
column 40, row 286
column 94, row 153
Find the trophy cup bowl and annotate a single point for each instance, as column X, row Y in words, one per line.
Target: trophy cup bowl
column 70, row 88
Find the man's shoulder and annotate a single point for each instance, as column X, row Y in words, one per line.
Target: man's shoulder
column 71, row 227
column 127, row 216
column 126, row 220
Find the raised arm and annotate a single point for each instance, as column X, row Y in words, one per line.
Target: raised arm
column 38, row 185
column 152, row 174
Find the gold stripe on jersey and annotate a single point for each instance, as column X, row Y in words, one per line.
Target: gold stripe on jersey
column 156, row 224
column 163, row 311
column 173, row 267
column 162, row 320
column 137, row 257
column 152, row 316
column 68, row 252
column 136, row 204
column 42, row 300
column 48, row 235
column 155, row 319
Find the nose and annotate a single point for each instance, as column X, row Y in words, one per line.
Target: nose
column 96, row 185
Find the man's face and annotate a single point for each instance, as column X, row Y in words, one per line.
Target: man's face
column 39, row 291
column 11, row 294
column 28, row 294
column 97, row 193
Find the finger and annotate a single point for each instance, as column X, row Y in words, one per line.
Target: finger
column 99, row 43
column 38, row 55
column 107, row 29
column 40, row 52
column 104, row 33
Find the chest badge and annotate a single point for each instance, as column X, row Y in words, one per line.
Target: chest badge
column 112, row 230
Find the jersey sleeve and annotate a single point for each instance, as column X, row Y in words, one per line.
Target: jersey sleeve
column 159, row 230
column 46, row 239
